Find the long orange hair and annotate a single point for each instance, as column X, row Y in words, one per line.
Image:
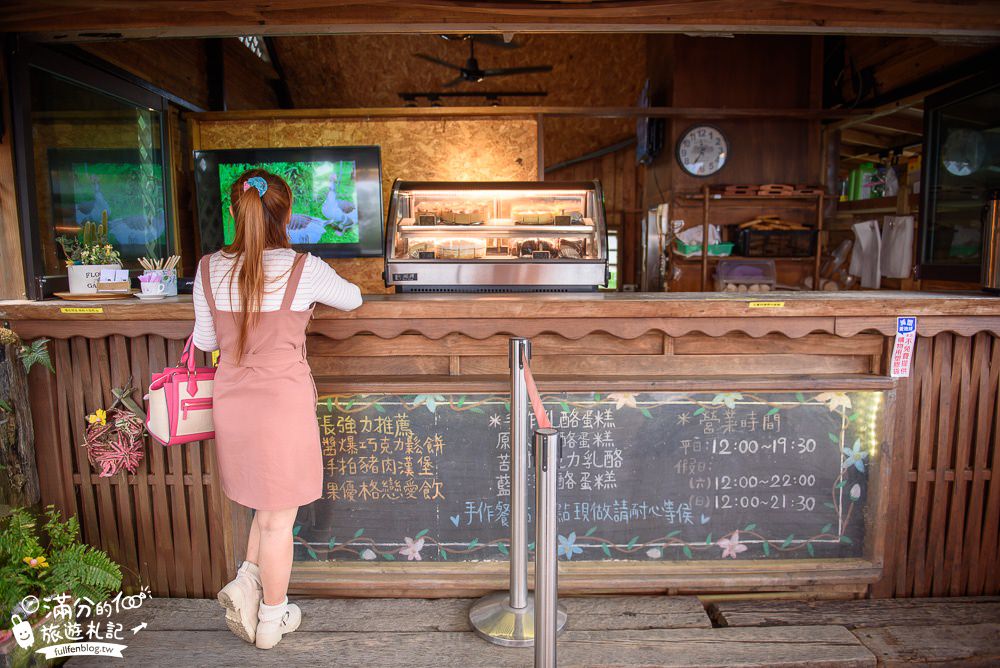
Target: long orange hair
column 261, row 222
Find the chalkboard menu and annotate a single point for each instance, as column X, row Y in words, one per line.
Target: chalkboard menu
column 644, row 476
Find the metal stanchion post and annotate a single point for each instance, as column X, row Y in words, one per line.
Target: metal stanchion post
column 507, row 618
column 547, row 612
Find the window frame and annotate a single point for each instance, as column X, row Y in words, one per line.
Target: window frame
column 25, row 57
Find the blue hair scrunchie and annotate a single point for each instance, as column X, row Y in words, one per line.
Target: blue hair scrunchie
column 257, row 182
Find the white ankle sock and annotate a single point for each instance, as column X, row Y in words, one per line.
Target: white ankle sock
column 272, row 612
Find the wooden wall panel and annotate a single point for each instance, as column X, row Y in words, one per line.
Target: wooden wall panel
column 157, row 523
column 503, row 149
column 875, row 66
column 945, row 504
column 12, row 267
column 621, row 179
column 180, row 67
column 175, row 65
column 171, row 527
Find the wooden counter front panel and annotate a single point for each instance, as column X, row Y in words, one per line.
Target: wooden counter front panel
column 594, row 356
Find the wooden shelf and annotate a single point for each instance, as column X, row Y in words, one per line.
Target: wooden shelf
column 720, row 197
column 707, row 198
column 877, row 205
column 696, row 259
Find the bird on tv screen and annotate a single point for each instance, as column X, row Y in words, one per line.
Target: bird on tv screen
column 324, row 199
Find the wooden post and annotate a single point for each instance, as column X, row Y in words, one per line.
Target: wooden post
column 704, row 241
column 819, row 241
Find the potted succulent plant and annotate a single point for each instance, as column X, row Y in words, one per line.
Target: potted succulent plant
column 34, row 567
column 87, row 254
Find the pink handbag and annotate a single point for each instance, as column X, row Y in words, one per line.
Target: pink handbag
column 180, row 402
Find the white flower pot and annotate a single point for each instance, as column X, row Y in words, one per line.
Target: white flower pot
column 83, row 277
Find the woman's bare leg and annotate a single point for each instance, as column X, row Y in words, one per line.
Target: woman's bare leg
column 253, row 542
column 274, row 557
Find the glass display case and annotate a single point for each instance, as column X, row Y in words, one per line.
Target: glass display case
column 517, row 236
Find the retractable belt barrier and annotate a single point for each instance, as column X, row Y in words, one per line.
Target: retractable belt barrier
column 515, row 618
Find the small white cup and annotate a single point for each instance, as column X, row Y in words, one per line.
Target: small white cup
column 153, row 288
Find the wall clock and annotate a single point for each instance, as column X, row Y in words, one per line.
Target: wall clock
column 702, row 150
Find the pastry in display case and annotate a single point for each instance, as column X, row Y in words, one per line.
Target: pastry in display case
column 478, row 236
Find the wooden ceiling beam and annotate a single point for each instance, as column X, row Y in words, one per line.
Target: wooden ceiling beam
column 68, row 20
column 860, row 138
column 896, row 123
column 576, row 112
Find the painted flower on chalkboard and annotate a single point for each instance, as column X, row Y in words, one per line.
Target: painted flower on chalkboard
column 855, row 457
column 835, row 400
column 654, row 553
column 367, row 554
column 855, row 492
column 731, row 545
column 429, row 400
column 728, row 399
column 412, row 549
column 623, row 399
column 568, row 546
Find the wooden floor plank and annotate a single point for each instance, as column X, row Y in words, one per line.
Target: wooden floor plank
column 859, row 614
column 954, row 644
column 779, row 647
column 427, row 615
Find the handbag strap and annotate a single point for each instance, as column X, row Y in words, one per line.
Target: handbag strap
column 187, row 356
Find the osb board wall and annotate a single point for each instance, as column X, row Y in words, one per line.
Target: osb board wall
column 494, row 149
column 371, row 71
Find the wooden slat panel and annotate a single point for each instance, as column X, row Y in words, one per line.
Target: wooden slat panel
column 810, row 344
column 928, row 361
column 989, row 570
column 77, row 364
column 964, row 411
column 983, row 421
column 690, row 365
column 458, row 344
column 948, row 346
column 183, row 568
column 162, row 533
column 376, row 366
column 120, row 373
column 148, row 572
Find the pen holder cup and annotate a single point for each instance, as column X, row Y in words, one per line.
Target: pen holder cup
column 169, row 279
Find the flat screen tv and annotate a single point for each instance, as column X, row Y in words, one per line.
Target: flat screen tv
column 336, row 196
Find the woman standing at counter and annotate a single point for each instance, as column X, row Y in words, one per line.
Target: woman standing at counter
column 267, row 438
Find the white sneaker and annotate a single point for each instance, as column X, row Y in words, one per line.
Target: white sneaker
column 275, row 621
column 241, row 598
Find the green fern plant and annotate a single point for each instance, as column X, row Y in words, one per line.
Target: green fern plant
column 34, row 353
column 69, row 565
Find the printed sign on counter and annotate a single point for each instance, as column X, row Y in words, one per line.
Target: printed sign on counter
column 902, row 348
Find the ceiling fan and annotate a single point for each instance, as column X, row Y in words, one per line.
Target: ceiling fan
column 471, row 71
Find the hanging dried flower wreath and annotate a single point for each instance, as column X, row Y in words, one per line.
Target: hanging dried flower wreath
column 115, row 439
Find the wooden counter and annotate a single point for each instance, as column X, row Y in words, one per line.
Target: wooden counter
column 933, row 516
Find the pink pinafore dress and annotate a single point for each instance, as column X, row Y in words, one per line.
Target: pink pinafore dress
column 264, row 408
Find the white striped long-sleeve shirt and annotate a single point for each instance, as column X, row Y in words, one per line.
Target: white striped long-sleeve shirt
column 319, row 283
